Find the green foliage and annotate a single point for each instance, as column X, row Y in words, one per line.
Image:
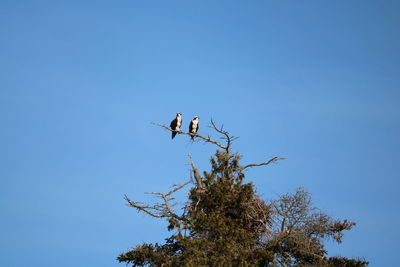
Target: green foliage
column 220, row 225
column 345, row 262
column 225, row 223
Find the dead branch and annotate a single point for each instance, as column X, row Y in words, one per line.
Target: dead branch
column 196, row 173
column 228, row 138
column 274, row 159
column 159, row 210
column 207, row 139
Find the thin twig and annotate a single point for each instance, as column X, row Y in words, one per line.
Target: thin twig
column 274, row 159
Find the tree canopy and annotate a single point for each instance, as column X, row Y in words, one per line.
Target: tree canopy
column 225, row 223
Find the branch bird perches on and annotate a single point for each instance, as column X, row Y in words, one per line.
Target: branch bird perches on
column 228, row 138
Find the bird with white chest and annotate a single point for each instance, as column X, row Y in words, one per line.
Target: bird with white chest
column 176, row 124
column 194, row 126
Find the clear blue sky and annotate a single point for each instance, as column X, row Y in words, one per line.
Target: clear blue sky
column 81, row 81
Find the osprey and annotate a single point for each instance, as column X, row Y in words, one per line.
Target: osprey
column 176, row 124
column 194, row 126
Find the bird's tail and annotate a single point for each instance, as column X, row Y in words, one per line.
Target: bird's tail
column 173, row 135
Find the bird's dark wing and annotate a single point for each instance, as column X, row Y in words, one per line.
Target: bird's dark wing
column 173, row 124
column 191, row 127
column 197, row 128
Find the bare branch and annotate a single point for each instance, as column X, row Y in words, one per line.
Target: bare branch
column 159, row 210
column 196, row 172
column 229, row 139
column 274, row 159
column 144, row 208
column 206, row 139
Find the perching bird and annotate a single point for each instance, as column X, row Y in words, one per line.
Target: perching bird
column 176, row 124
column 194, row 126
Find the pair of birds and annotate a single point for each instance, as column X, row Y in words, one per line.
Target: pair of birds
column 177, row 122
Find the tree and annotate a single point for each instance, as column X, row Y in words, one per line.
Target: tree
column 225, row 223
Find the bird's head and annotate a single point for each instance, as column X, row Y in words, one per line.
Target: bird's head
column 196, row 117
column 178, row 114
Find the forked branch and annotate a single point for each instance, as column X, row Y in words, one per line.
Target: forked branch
column 228, row 138
column 159, row 210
